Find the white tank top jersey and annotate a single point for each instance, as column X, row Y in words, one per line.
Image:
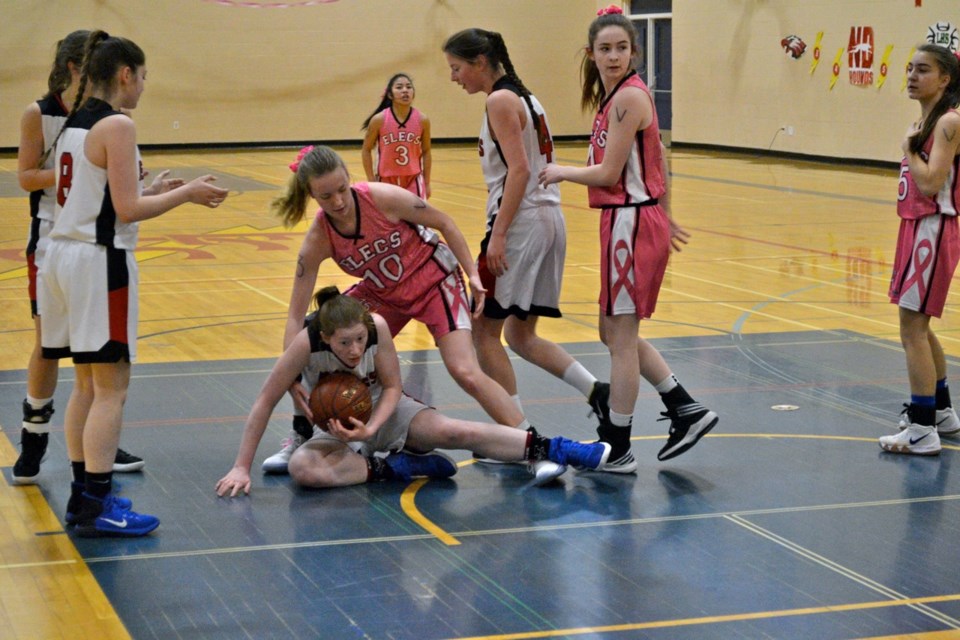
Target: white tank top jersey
column 53, row 113
column 538, row 149
column 84, row 208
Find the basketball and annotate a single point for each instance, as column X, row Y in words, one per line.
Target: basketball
column 340, row 395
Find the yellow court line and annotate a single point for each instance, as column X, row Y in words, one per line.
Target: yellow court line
column 260, row 292
column 409, row 495
column 407, row 503
column 736, row 617
column 767, row 297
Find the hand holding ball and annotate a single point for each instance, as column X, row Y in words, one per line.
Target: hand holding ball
column 340, row 396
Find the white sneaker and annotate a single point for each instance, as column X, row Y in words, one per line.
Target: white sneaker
column 546, row 471
column 277, row 463
column 948, row 423
column 915, row 439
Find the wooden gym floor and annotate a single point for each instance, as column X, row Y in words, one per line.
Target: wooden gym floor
column 780, row 524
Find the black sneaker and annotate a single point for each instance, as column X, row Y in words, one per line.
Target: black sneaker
column 688, row 424
column 620, row 459
column 33, row 446
column 599, row 401
column 127, row 462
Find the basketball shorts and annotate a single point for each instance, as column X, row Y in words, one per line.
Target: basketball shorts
column 634, row 249
column 536, row 247
column 414, row 184
column 37, row 243
column 88, row 303
column 443, row 307
column 392, row 434
column 928, row 249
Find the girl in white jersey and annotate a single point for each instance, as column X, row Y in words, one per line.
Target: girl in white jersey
column 343, row 336
column 928, row 246
column 89, row 302
column 627, row 179
column 40, row 125
column 401, row 135
column 521, row 257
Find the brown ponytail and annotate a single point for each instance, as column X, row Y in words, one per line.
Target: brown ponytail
column 593, row 91
column 314, row 161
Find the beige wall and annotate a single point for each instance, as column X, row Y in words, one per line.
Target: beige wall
column 734, row 86
column 235, row 74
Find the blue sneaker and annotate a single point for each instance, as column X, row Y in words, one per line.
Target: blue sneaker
column 76, row 501
column 407, row 465
column 115, row 522
column 579, row 454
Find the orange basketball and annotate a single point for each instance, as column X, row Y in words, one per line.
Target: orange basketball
column 340, row 395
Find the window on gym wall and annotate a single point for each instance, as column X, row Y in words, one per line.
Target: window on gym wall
column 655, row 62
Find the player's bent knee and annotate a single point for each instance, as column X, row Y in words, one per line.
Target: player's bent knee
column 468, row 378
column 311, row 472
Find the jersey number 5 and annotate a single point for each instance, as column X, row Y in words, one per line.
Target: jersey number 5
column 903, row 185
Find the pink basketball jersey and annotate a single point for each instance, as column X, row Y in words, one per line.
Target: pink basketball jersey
column 642, row 177
column 400, row 261
column 912, row 204
column 399, row 144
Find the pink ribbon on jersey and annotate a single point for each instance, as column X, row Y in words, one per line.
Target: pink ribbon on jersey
column 454, row 287
column 296, row 163
column 920, row 266
column 624, row 269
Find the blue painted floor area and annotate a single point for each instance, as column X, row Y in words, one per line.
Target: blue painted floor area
column 780, row 524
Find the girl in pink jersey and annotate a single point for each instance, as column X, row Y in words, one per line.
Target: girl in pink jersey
column 401, row 135
column 40, row 124
column 385, row 235
column 928, row 246
column 626, row 179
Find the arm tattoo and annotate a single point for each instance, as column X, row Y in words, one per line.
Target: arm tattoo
column 300, row 268
column 621, row 116
column 420, row 204
column 949, row 134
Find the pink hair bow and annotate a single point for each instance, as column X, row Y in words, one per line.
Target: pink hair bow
column 296, row 163
column 609, row 10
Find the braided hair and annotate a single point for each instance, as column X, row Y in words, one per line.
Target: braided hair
column 470, row 44
column 70, row 49
column 103, row 56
